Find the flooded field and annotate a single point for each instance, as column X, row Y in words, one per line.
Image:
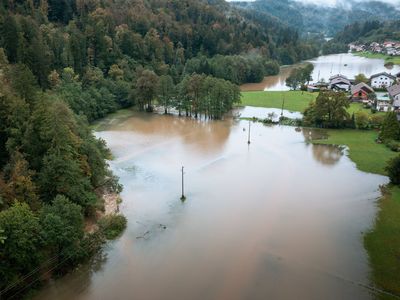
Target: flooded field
column 324, row 67
column 279, row 219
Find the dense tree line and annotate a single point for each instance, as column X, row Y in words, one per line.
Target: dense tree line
column 52, row 173
column 235, row 68
column 159, row 35
column 369, row 31
column 324, row 19
column 65, row 63
column 363, row 32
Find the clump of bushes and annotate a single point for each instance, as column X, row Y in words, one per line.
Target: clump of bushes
column 393, row 170
column 112, row 226
column 393, row 145
column 390, row 132
column 376, row 120
column 362, row 120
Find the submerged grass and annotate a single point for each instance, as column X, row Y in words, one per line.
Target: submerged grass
column 388, row 59
column 294, row 100
column 105, row 122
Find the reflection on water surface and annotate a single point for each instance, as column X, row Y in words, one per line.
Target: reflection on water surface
column 279, row 219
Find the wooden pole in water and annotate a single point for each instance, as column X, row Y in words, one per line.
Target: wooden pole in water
column 248, row 141
column 183, row 198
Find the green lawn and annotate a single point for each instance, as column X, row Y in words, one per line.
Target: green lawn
column 355, row 107
column 294, row 100
column 383, row 243
column 387, row 58
column 368, row 155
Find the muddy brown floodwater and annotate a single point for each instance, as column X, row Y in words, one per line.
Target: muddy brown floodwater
column 324, row 67
column 279, row 219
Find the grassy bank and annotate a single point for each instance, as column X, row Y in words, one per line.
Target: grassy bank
column 383, row 241
column 294, row 100
column 369, row 156
column 394, row 59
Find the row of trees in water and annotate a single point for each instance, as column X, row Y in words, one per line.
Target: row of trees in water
column 195, row 96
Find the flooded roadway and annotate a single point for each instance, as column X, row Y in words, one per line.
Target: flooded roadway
column 279, row 219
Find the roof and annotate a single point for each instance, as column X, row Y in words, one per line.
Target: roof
column 396, row 103
column 340, row 80
column 394, row 90
column 337, row 76
column 384, row 74
column 361, row 86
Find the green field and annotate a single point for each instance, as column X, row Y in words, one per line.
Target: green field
column 355, row 107
column 395, row 60
column 383, row 241
column 368, row 155
column 294, row 100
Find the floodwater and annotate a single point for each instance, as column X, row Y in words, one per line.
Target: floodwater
column 279, row 219
column 324, row 67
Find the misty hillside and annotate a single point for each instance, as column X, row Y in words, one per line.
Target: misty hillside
column 322, row 18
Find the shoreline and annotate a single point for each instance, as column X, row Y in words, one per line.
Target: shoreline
column 381, row 242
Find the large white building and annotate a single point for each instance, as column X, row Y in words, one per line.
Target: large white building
column 382, row 80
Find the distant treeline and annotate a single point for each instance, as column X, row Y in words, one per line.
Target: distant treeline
column 237, row 69
column 91, row 53
column 363, row 32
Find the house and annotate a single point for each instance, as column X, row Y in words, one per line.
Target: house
column 391, row 51
column 337, row 76
column 361, row 92
column 382, row 80
column 382, row 102
column 388, row 44
column 312, row 88
column 394, row 94
column 339, row 83
column 317, row 86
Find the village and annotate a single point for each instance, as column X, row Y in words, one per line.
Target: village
column 381, row 92
column 391, row 48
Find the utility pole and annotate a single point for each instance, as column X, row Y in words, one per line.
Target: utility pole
column 183, row 198
column 283, row 103
column 248, row 141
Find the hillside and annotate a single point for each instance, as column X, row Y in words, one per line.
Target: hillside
column 323, row 18
column 363, row 33
column 66, row 63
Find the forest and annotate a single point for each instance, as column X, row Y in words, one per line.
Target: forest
column 363, row 32
column 66, row 63
column 325, row 19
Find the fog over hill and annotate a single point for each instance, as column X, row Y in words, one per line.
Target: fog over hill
column 325, row 16
column 343, row 3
